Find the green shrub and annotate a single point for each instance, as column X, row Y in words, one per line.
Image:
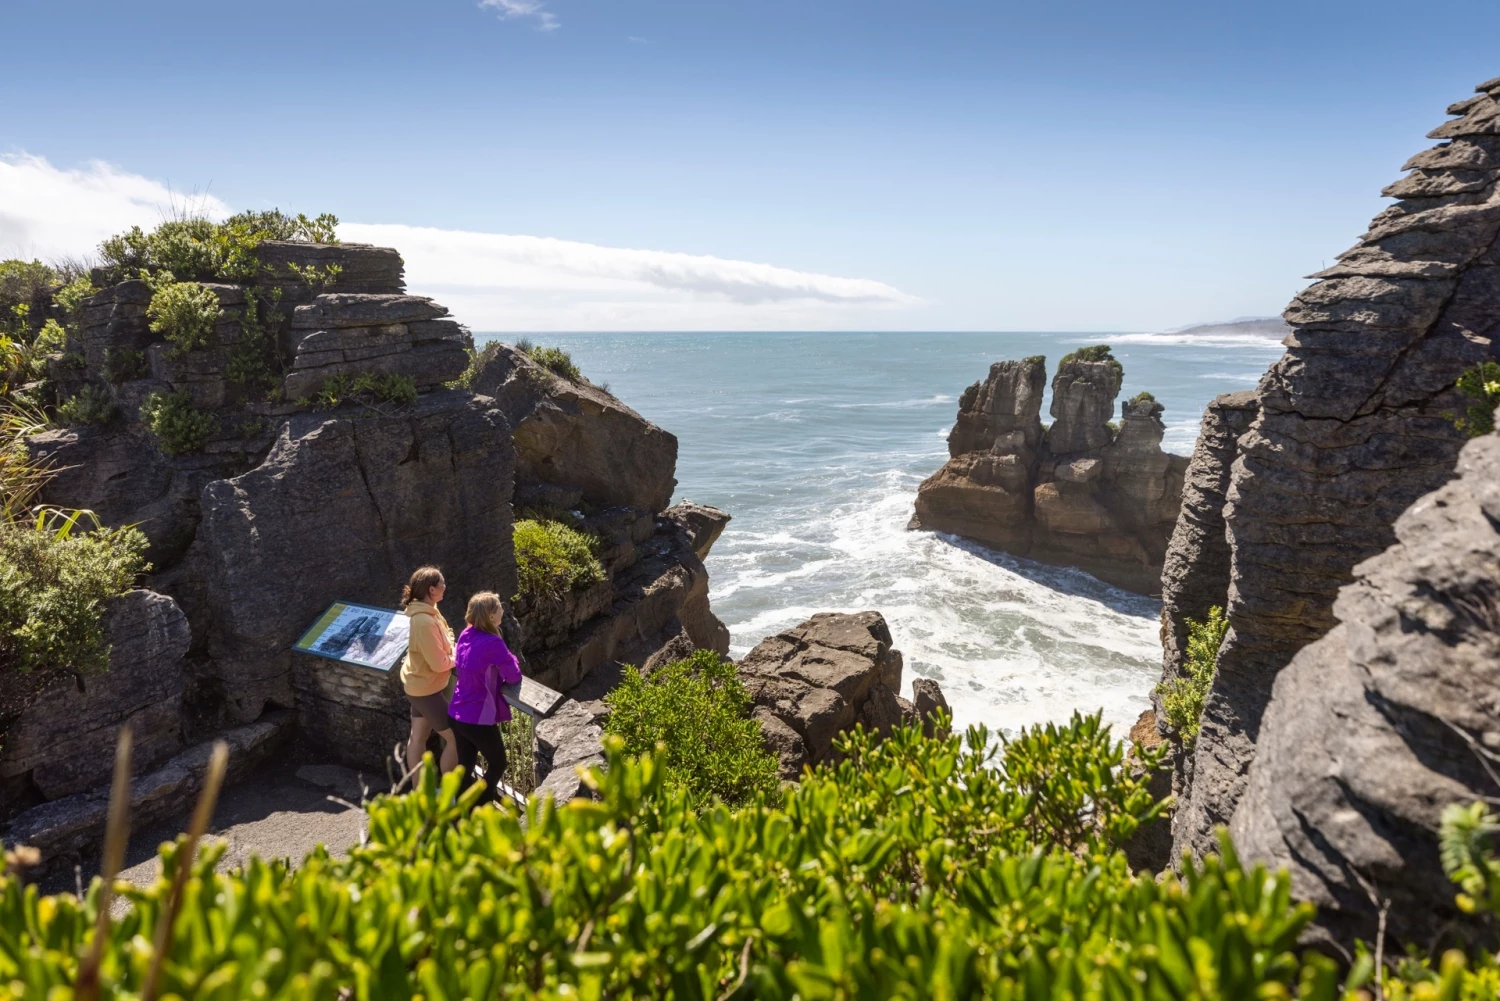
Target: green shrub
column 70, row 297
column 366, row 388
column 90, row 405
column 51, row 338
column 1142, row 397
column 123, row 364
column 200, row 250
column 555, row 360
column 553, row 558
column 1036, row 360
column 1093, row 352
column 252, row 360
column 184, row 313
column 519, row 736
column 1184, row 695
column 699, row 712
column 179, row 429
column 1482, row 385
column 20, row 282
column 477, row 361
column 54, row 585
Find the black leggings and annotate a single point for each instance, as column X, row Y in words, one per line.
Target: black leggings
column 473, row 739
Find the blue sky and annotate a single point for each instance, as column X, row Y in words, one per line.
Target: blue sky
column 1077, row 165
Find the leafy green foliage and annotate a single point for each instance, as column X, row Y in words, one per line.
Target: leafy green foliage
column 20, row 282
column 179, row 429
column 1092, row 352
column 1036, row 360
column 367, row 388
column 697, row 710
column 897, row 873
column 1464, row 844
column 90, row 405
column 477, row 361
column 123, row 364
column 200, row 250
column 184, row 313
column 555, row 360
column 553, row 558
column 54, row 585
column 1184, row 695
column 253, row 360
column 1142, row 397
column 1482, row 385
column 70, row 297
column 52, row 337
column 519, row 736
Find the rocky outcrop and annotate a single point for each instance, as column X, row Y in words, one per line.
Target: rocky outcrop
column 1353, row 426
column 348, row 334
column 814, row 681
column 64, row 741
column 1372, row 730
column 576, row 436
column 1079, row 492
column 1195, row 573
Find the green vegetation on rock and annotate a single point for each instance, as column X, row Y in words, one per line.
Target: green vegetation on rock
column 1184, row 695
column 1092, row 352
column 367, row 388
column 201, row 250
column 1143, row 396
column 178, row 427
column 90, row 405
column 553, row 359
column 553, row 558
column 694, row 714
column 1481, row 384
column 184, row 313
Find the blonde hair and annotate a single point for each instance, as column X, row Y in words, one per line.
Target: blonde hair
column 423, row 580
column 484, row 612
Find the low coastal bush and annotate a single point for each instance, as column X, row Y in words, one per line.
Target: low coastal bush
column 1184, row 695
column 55, row 581
column 184, row 313
column 903, row 871
column 194, row 249
column 367, row 388
column 1143, row 396
column 553, row 558
column 555, row 360
column 694, row 714
column 1092, row 352
column 90, row 405
column 1481, row 384
column 179, row 428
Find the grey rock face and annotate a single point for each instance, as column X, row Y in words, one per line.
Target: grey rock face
column 277, row 544
column 348, row 334
column 821, row 678
column 64, row 742
column 1353, row 427
column 1366, row 737
column 363, row 268
column 703, row 524
column 574, row 434
column 1078, row 495
column 927, row 698
column 1083, row 401
column 1195, row 573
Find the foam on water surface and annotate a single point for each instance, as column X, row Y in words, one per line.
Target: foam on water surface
column 816, row 443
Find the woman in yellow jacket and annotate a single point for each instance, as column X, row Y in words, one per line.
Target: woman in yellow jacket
column 427, row 671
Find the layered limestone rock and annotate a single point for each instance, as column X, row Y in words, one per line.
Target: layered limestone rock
column 1353, row 426
column 1079, row 492
column 1372, row 730
column 292, row 504
column 814, row 681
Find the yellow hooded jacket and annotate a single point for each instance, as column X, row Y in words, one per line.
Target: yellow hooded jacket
column 429, row 653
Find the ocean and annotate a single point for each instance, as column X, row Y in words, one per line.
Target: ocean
column 815, row 444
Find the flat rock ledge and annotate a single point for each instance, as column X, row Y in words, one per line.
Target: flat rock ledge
column 68, row 829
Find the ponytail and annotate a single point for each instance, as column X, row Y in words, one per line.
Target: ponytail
column 423, row 580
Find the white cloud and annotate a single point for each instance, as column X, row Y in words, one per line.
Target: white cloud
column 546, row 20
column 491, row 281
column 47, row 212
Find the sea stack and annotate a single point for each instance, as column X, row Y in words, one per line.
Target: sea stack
column 1081, row 492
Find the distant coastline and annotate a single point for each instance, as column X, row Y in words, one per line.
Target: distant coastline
column 1254, row 326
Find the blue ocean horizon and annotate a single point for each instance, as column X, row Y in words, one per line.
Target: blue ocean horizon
column 815, row 444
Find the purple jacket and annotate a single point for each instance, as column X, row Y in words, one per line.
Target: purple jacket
column 482, row 663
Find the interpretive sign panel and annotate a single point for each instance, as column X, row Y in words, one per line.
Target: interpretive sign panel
column 358, row 634
column 531, row 697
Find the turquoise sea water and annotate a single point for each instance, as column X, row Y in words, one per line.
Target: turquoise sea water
column 816, row 442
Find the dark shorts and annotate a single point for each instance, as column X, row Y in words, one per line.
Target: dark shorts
column 433, row 708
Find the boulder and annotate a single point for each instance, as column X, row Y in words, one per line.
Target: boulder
column 576, row 435
column 1376, row 727
column 821, row 678
column 927, row 698
column 344, row 508
column 1352, row 427
column 64, row 741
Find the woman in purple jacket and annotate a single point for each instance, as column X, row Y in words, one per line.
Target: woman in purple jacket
column 482, row 663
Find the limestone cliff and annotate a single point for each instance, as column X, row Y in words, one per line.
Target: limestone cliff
column 1078, row 492
column 291, row 502
column 1372, row 730
column 1350, row 427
